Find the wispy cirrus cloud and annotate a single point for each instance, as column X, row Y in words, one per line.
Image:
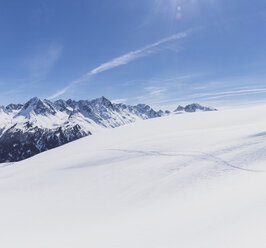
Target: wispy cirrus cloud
column 213, row 95
column 145, row 51
column 237, row 93
column 207, row 97
column 59, row 93
column 124, row 59
column 155, row 91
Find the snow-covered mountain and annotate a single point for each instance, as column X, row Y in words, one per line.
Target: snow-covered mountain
column 39, row 125
column 193, row 108
column 184, row 180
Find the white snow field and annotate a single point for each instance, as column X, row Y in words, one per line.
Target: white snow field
column 191, row 180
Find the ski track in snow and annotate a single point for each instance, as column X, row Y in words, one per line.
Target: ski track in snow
column 194, row 180
column 195, row 156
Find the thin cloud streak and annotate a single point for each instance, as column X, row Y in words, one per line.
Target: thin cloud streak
column 226, row 93
column 210, row 96
column 145, row 51
column 58, row 93
column 238, row 94
column 155, row 91
column 124, row 59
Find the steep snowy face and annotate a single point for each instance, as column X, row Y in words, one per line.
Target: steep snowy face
column 13, row 108
column 101, row 102
column 38, row 107
column 179, row 108
column 146, row 111
column 3, row 111
column 5, row 118
column 193, row 108
column 17, row 143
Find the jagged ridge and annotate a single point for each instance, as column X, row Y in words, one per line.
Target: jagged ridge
column 39, row 125
column 193, row 108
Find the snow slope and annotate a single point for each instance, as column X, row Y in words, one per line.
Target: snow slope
column 194, row 180
column 39, row 125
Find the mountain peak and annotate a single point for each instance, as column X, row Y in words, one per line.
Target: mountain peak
column 102, row 101
column 193, row 107
column 37, row 106
column 40, row 124
column 33, row 100
column 179, row 108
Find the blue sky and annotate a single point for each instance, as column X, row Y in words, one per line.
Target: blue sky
column 159, row 52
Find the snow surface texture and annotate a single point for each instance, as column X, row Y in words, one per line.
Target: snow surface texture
column 40, row 125
column 194, row 180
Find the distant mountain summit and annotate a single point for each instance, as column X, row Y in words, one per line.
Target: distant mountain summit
column 193, row 108
column 39, row 125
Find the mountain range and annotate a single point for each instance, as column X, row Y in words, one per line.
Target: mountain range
column 39, row 125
